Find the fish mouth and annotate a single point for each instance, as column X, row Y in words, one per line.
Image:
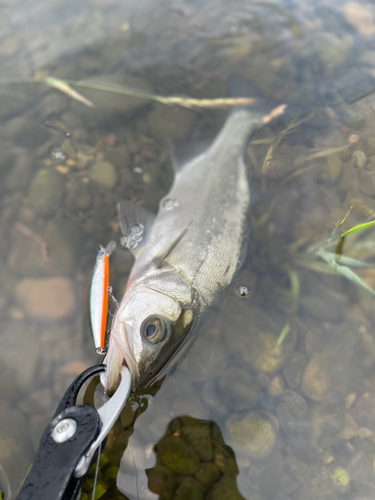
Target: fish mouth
column 119, row 354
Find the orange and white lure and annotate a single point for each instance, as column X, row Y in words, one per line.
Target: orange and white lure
column 99, row 297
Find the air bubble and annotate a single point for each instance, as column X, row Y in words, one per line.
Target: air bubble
column 244, row 290
column 58, row 155
column 170, row 203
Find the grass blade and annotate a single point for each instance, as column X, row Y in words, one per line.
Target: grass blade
column 283, row 334
column 64, row 87
column 345, row 271
column 360, row 227
column 334, row 259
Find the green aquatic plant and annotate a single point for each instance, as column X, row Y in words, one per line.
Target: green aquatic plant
column 334, row 260
column 283, row 334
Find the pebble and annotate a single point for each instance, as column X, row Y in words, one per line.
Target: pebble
column 37, row 402
column 294, row 369
column 266, row 475
column 265, row 357
column 212, row 399
column 104, row 174
column 276, row 387
column 63, row 240
column 20, row 347
column 237, row 390
column 46, row 192
column 26, row 132
column 292, row 410
column 207, row 357
column 324, row 379
column 360, row 159
column 253, row 435
column 53, row 104
column 363, row 411
column 119, row 157
column 19, row 176
column 15, row 455
column 353, row 139
column 78, row 196
column 170, row 123
column 47, row 299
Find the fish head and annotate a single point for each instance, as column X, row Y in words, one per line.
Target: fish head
column 147, row 331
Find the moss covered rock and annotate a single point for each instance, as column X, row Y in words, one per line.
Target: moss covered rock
column 178, row 456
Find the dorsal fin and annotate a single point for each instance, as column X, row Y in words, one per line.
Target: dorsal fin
column 135, row 223
column 159, row 260
column 184, row 152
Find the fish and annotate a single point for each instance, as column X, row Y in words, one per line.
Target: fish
column 99, row 296
column 187, row 256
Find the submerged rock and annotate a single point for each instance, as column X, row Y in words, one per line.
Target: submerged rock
column 53, row 104
column 178, row 456
column 253, row 435
column 225, row 459
column 207, row 357
column 63, row 240
column 265, row 356
column 104, row 174
column 294, row 369
column 292, row 410
column 47, row 299
column 238, row 390
column 276, row 387
column 162, row 481
column 207, row 474
column 15, row 457
column 189, row 489
column 170, row 123
column 199, row 436
column 324, row 380
column 225, row 489
column 46, row 192
column 26, row 132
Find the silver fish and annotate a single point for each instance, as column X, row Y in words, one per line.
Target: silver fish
column 186, row 258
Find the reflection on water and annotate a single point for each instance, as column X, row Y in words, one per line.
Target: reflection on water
column 286, row 372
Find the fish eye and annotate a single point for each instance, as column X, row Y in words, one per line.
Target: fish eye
column 154, row 330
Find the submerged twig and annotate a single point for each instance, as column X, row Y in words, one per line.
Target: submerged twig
column 186, row 102
column 34, row 236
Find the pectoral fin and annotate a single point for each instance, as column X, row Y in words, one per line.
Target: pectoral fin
column 135, row 223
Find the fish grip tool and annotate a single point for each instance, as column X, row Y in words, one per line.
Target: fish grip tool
column 70, row 441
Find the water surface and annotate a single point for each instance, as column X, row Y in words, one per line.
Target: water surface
column 298, row 410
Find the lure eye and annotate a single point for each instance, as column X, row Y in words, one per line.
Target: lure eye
column 154, row 330
column 101, row 253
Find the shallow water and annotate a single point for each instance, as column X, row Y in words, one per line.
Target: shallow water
column 299, row 416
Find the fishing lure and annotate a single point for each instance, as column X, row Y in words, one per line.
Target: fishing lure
column 99, row 296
